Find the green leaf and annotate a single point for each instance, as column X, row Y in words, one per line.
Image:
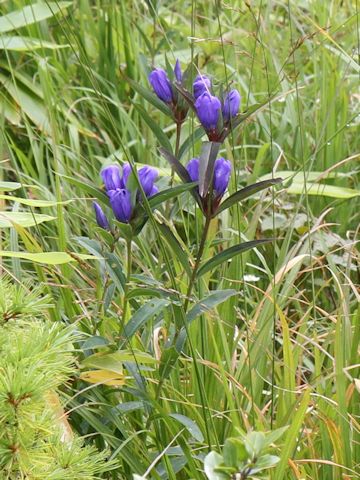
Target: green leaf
column 23, row 44
column 143, row 315
column 9, row 186
column 230, row 253
column 175, row 246
column 30, row 14
column 48, row 258
column 170, row 193
column 209, row 151
column 209, row 302
column 264, row 462
column 254, row 443
column 156, row 129
column 246, row 192
column 234, row 452
column 32, row 202
column 214, row 460
column 84, row 186
column 30, row 103
column 181, row 171
column 150, row 97
column 25, row 219
column 191, row 426
column 322, row 190
column 114, row 361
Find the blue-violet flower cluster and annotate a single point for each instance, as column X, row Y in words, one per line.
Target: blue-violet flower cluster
column 214, row 113
column 221, row 178
column 121, row 199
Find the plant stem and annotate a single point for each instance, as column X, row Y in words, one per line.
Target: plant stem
column 126, row 288
column 197, row 261
column 177, row 148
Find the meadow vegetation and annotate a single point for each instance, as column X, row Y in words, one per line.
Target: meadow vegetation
column 179, row 354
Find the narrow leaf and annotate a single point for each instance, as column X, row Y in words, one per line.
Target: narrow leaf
column 175, row 247
column 155, row 127
column 230, row 253
column 143, row 315
column 246, row 192
column 208, row 155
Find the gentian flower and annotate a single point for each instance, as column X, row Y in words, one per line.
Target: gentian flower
column 231, row 105
column 208, row 110
column 100, row 216
column 112, row 177
column 193, row 169
column 147, row 177
column 201, row 84
column 221, row 177
column 120, row 197
column 177, row 71
column 120, row 201
column 222, row 171
column 161, row 85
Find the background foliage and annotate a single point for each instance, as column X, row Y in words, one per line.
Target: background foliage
column 278, row 343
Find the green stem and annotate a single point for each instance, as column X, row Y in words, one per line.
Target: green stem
column 177, row 148
column 126, row 288
column 197, row 262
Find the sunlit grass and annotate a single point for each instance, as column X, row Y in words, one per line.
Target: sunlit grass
column 283, row 350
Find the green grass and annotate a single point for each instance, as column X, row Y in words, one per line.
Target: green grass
column 282, row 349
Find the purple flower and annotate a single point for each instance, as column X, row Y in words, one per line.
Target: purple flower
column 147, row 177
column 201, row 84
column 208, row 109
column 120, row 201
column 231, row 105
column 177, row 71
column 100, row 216
column 112, row 177
column 222, row 171
column 161, row 85
column 193, row 169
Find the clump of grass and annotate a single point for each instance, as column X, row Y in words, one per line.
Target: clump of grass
column 281, row 350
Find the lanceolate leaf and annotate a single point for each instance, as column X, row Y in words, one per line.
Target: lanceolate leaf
column 150, row 97
column 208, row 155
column 170, row 193
column 175, row 247
column 209, row 302
column 154, row 125
column 204, row 305
column 30, row 14
column 143, row 315
column 25, row 219
column 246, row 192
column 181, row 171
column 49, row 258
column 230, row 253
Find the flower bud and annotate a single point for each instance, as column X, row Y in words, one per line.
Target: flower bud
column 231, row 105
column 120, row 201
column 222, row 171
column 201, row 84
column 112, row 177
column 177, row 71
column 208, row 110
column 193, row 169
column 147, row 177
column 100, row 216
column 161, row 85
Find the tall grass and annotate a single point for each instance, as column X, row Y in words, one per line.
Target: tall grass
column 282, row 350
